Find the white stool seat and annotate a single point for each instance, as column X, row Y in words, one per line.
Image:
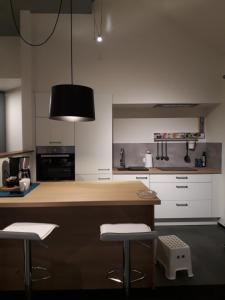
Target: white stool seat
column 27, row 231
column 126, row 231
column 174, row 255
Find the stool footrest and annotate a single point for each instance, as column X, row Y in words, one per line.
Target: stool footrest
column 41, row 269
column 116, row 275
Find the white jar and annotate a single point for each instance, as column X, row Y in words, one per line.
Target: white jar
column 148, row 159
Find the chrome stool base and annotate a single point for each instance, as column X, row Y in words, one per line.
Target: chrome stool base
column 42, row 270
column 116, row 275
column 126, row 232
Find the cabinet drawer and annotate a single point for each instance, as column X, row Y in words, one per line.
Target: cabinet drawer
column 183, row 209
column 144, row 178
column 182, row 191
column 181, row 178
column 93, row 177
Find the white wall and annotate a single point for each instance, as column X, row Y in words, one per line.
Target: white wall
column 144, row 56
column 13, row 120
column 215, row 124
column 9, row 57
column 28, row 124
column 142, row 130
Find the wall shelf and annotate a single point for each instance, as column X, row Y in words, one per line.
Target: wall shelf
column 9, row 154
column 178, row 136
column 177, row 140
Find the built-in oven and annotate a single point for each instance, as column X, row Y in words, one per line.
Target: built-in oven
column 55, row 163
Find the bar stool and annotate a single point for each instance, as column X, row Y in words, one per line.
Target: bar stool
column 27, row 232
column 126, row 232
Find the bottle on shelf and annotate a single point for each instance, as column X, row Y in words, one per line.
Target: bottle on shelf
column 204, row 159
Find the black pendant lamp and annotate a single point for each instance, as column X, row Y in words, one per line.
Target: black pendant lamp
column 71, row 102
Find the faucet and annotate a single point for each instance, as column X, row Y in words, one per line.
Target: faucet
column 122, row 158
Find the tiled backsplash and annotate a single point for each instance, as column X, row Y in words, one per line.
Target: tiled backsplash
column 134, row 153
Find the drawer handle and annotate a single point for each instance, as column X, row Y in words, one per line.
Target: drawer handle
column 181, row 177
column 181, row 186
column 55, row 155
column 107, row 169
column 55, row 142
column 179, row 204
column 104, row 178
column 141, row 177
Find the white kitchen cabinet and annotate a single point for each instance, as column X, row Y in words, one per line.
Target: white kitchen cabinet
column 93, row 177
column 93, row 145
column 183, row 195
column 144, row 178
column 51, row 132
column 54, row 133
column 182, row 190
column 182, row 178
column 183, row 209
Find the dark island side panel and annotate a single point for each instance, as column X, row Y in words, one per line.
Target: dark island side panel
column 75, row 256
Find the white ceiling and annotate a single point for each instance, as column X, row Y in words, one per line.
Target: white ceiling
column 202, row 20
column 36, row 6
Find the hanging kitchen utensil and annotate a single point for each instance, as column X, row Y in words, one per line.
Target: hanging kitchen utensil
column 187, row 158
column 162, row 157
column 157, row 156
column 166, row 157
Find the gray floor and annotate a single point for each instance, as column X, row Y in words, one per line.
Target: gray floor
column 207, row 251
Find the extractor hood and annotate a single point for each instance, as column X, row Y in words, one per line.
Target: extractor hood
column 163, row 110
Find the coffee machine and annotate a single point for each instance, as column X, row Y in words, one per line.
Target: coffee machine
column 24, row 167
column 20, row 167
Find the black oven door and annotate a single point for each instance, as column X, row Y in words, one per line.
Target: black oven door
column 55, row 167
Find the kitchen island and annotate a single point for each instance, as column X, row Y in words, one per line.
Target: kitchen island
column 75, row 256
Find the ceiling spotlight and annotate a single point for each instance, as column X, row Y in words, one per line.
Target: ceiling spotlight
column 99, row 39
column 98, row 22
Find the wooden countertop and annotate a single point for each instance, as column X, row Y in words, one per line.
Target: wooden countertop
column 12, row 153
column 54, row 194
column 155, row 171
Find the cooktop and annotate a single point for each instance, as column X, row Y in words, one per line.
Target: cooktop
column 133, row 169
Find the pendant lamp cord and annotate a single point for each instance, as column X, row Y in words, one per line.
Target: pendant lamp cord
column 23, row 38
column 101, row 18
column 97, row 16
column 71, row 40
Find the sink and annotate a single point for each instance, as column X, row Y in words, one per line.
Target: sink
column 133, row 169
column 177, row 169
